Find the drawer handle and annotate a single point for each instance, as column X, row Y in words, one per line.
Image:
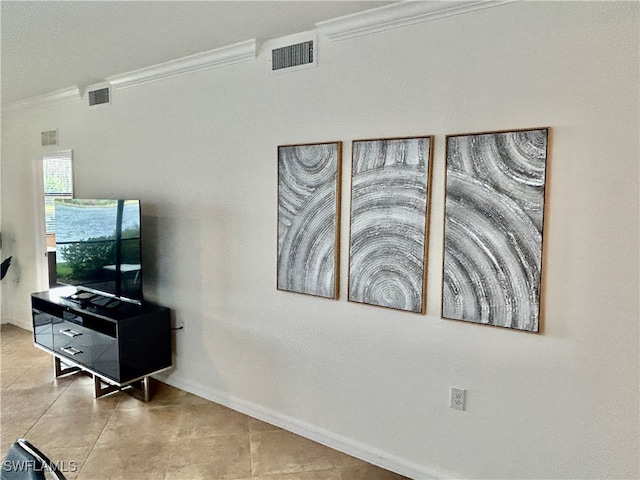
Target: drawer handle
column 70, row 333
column 71, row 350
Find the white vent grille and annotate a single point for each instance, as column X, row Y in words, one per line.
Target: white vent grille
column 49, row 137
column 292, row 55
column 294, row 52
column 98, row 97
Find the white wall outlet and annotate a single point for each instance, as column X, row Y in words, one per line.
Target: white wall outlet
column 457, row 398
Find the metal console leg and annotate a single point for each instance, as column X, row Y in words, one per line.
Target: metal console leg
column 140, row 389
column 59, row 370
column 99, row 390
column 146, row 389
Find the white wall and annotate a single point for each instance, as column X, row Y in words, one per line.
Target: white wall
column 200, row 152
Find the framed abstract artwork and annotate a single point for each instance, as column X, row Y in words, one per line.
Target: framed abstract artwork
column 493, row 223
column 390, row 189
column 309, row 218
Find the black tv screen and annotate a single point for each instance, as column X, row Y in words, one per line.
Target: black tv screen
column 98, row 246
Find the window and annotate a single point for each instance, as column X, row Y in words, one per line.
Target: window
column 58, row 183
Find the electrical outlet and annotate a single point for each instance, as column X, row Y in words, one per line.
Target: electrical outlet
column 457, row 398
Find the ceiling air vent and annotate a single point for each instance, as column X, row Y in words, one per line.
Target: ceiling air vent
column 98, row 97
column 294, row 56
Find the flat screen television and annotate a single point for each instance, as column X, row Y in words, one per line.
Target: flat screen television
column 98, row 247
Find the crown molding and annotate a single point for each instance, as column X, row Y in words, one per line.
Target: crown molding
column 369, row 22
column 236, row 53
column 398, row 15
column 53, row 98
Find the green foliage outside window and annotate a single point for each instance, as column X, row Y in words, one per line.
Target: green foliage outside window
column 82, row 260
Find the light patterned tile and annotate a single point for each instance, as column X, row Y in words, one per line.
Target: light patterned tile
column 211, row 419
column 81, row 396
column 256, row 425
column 81, row 427
column 69, row 460
column 41, row 376
column 331, row 474
column 13, row 428
column 31, row 402
column 127, row 460
column 141, row 425
column 221, row 458
column 284, row 452
column 9, row 375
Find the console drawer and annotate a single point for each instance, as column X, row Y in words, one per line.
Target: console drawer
column 88, row 347
column 69, row 333
column 69, row 346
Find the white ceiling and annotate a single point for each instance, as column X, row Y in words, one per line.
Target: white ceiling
column 53, row 45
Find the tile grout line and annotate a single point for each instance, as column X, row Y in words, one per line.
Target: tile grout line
column 251, row 449
column 86, row 460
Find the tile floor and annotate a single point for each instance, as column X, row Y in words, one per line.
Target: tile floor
column 175, row 436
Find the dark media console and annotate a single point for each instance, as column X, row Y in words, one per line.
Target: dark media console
column 119, row 343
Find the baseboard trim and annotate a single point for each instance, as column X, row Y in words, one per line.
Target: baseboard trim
column 350, row 447
column 24, row 325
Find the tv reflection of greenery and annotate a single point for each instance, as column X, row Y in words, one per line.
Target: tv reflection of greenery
column 85, row 260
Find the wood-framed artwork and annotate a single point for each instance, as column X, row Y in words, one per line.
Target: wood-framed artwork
column 390, row 190
column 493, row 224
column 309, row 177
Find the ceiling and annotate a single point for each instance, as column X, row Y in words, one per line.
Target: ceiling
column 53, row 45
